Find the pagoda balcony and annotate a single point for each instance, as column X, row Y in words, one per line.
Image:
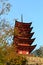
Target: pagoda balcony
column 26, row 41
column 23, row 44
column 26, row 48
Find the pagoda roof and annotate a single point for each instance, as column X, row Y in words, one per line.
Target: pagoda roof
column 25, row 40
column 26, row 48
column 25, row 36
column 24, row 29
column 19, row 24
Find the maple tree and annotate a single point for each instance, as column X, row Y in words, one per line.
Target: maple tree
column 8, row 55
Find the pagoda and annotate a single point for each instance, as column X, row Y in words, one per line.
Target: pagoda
column 23, row 39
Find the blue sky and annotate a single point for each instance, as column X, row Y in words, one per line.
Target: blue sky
column 32, row 10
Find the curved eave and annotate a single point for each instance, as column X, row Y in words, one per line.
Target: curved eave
column 30, row 35
column 22, row 30
column 27, row 30
column 26, row 41
column 32, row 48
column 17, row 23
column 26, row 48
column 25, row 36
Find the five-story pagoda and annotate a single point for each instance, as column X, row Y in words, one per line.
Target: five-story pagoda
column 23, row 39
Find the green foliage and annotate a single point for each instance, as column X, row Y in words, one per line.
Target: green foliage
column 9, row 56
column 39, row 52
column 17, row 60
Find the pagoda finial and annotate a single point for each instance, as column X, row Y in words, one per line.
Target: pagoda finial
column 21, row 18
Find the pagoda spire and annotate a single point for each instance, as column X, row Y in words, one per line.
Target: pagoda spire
column 21, row 17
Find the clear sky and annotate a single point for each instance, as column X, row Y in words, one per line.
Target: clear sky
column 32, row 10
